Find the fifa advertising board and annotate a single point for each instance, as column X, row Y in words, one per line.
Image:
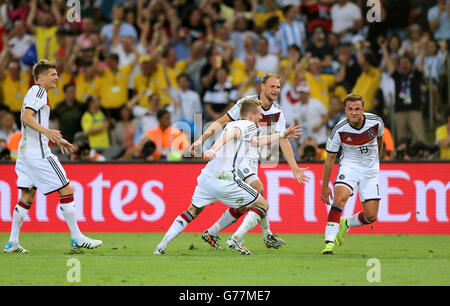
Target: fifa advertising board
column 147, row 197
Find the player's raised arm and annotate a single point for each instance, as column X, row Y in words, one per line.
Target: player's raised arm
column 223, row 139
column 211, row 130
column 326, row 193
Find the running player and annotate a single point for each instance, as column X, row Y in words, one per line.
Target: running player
column 37, row 167
column 220, row 181
column 359, row 136
column 273, row 121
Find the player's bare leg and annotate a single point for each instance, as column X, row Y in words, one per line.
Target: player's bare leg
column 178, row 225
column 68, row 210
column 341, row 195
column 20, row 212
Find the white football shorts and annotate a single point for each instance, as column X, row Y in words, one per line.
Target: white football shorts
column 248, row 170
column 352, row 178
column 46, row 174
column 233, row 193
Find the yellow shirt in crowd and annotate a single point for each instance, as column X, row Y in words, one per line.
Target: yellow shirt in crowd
column 147, row 83
column 14, row 91
column 89, row 121
column 85, row 88
column 113, row 87
column 442, row 133
column 367, row 86
column 319, row 87
column 42, row 34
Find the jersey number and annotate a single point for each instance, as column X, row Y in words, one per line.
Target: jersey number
column 364, row 149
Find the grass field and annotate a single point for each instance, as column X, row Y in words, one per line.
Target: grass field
column 126, row 259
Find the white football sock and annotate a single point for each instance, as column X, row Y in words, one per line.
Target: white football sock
column 69, row 212
column 178, row 225
column 250, row 221
column 265, row 226
column 331, row 231
column 224, row 221
column 19, row 215
column 354, row 221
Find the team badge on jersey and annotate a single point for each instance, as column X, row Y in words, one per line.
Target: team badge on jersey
column 371, row 133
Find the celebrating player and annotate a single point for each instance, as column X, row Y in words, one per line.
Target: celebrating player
column 220, row 181
column 359, row 135
column 37, row 167
column 273, row 119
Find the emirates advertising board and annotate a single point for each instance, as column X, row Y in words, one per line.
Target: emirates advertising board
column 147, row 197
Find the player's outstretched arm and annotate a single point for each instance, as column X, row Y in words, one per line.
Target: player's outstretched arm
column 27, row 118
column 215, row 127
column 223, row 139
column 326, row 193
column 288, row 153
column 294, row 131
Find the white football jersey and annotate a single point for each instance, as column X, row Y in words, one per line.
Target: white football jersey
column 359, row 147
column 34, row 145
column 232, row 153
column 272, row 121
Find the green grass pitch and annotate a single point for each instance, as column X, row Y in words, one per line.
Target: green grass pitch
column 127, row 259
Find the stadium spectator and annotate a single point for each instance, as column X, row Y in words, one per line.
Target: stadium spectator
column 319, row 47
column 113, row 85
column 220, row 97
column 443, row 137
column 145, row 81
column 122, row 28
column 265, row 61
column 312, row 115
column 95, row 124
column 321, row 84
column 124, row 130
column 14, row 85
column 185, row 103
column 336, row 113
column 271, row 27
column 408, row 99
column 85, row 153
column 20, row 41
column 67, row 114
column 7, row 126
column 349, row 70
column 86, row 81
column 146, row 116
column 368, row 82
column 166, row 137
column 439, row 20
column 45, row 29
column 318, row 12
column 346, row 20
column 291, row 31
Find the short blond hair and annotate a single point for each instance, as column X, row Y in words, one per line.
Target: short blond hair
column 353, row 97
column 41, row 67
column 249, row 106
column 270, row 75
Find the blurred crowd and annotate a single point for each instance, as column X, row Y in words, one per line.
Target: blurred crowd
column 139, row 78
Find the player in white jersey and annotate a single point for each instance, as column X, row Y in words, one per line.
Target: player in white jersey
column 219, row 180
column 360, row 137
column 36, row 167
column 273, row 120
